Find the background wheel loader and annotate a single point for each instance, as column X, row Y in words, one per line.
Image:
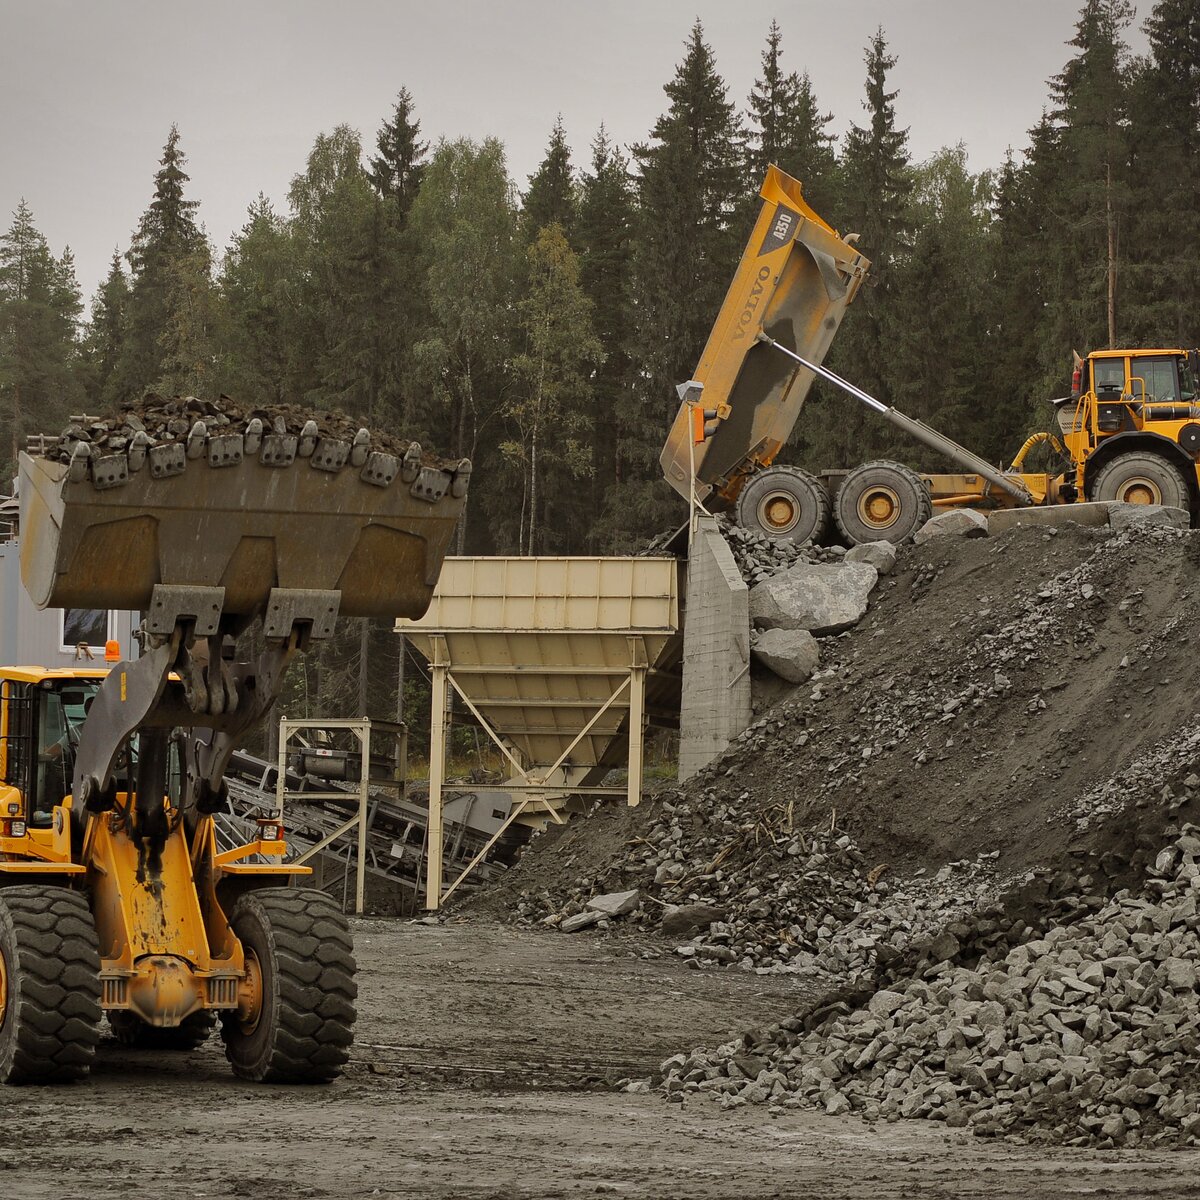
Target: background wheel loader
column 1130, row 430
column 114, row 897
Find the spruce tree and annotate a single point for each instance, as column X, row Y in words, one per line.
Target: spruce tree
column 941, row 302
column 106, row 335
column 397, row 168
column 605, row 237
column 1162, row 232
column 40, row 305
column 551, row 199
column 772, row 101
column 167, row 242
column 1091, row 197
column 687, row 244
column 1015, row 386
column 875, row 165
column 790, row 130
column 396, row 173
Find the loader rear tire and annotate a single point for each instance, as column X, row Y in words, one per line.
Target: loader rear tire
column 191, row 1033
column 296, row 1021
column 1141, row 477
column 881, row 502
column 49, row 985
column 785, row 503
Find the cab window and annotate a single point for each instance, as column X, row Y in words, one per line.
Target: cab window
column 1108, row 377
column 1153, row 379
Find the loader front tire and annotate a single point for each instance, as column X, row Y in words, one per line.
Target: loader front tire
column 191, row 1033
column 49, row 985
column 881, row 502
column 295, row 1020
column 785, row 503
column 1141, row 477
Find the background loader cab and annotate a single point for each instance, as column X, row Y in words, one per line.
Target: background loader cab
column 1132, row 427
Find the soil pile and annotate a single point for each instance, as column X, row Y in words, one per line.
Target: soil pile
column 1004, row 699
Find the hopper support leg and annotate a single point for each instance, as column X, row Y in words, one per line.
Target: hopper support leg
column 639, row 665
column 440, row 667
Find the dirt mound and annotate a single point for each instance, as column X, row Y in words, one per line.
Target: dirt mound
column 1004, row 697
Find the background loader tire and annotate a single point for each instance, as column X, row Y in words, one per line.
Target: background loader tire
column 49, row 985
column 305, row 955
column 784, row 503
column 193, row 1031
column 881, row 502
column 1142, row 477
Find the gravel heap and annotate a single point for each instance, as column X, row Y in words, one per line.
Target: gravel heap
column 167, row 420
column 1088, row 1034
column 763, row 893
column 759, row 557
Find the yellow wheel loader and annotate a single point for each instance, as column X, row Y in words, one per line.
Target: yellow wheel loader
column 1130, row 430
column 115, row 897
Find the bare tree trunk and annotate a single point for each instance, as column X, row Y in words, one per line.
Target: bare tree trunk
column 1112, row 260
column 533, row 485
column 16, row 423
column 468, row 399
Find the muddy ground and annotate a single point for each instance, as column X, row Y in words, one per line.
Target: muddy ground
column 477, row 1074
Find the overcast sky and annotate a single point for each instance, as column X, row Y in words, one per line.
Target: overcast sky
column 88, row 91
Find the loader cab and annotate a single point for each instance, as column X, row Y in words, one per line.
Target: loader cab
column 41, row 716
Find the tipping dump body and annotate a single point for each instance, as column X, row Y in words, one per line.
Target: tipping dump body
column 795, row 280
column 240, row 522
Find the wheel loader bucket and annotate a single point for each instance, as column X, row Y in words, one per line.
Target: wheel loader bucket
column 795, row 280
column 102, row 532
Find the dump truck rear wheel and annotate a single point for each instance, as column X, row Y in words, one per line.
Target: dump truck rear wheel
column 881, row 502
column 49, row 985
column 295, row 1020
column 193, row 1031
column 785, row 503
column 1141, row 477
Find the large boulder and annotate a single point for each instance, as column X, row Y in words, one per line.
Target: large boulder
column 1144, row 516
column 823, row 598
column 957, row 522
column 793, row 654
column 686, row 919
column 615, row 904
column 880, row 555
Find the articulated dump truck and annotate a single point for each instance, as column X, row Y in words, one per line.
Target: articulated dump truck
column 1129, row 431
column 115, row 898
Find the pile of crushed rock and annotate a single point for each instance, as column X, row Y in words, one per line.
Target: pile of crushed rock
column 1086, row 1034
column 156, row 420
column 750, row 887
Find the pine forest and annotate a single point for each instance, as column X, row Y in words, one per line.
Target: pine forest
column 540, row 326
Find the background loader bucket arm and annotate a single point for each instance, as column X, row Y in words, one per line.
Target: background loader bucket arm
column 796, row 278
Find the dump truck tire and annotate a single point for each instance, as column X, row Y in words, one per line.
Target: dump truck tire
column 785, row 503
column 1141, row 477
column 300, row 961
column 881, row 502
column 192, row 1032
column 49, row 985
